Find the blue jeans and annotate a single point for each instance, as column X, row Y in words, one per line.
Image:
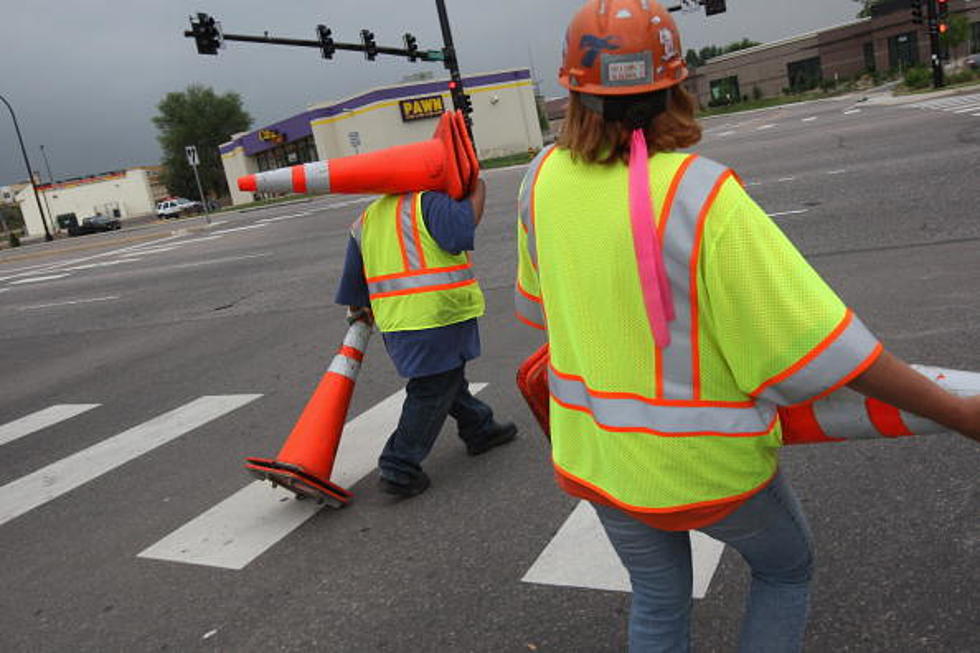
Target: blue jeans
column 429, row 399
column 771, row 534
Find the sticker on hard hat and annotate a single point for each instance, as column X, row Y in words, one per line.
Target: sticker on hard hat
column 627, row 69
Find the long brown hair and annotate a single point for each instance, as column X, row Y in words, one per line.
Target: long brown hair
column 590, row 138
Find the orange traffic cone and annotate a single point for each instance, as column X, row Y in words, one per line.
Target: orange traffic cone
column 841, row 416
column 468, row 149
column 305, row 462
column 431, row 165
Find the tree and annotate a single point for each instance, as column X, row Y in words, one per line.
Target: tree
column 957, row 34
column 200, row 117
column 867, row 6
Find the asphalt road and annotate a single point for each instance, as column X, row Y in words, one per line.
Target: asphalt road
column 171, row 351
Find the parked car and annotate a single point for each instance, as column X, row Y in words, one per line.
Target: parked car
column 176, row 207
column 94, row 224
column 972, row 62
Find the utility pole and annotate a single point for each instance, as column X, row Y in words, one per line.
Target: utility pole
column 50, row 183
column 30, row 173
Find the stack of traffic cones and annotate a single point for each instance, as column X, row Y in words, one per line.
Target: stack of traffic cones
column 445, row 163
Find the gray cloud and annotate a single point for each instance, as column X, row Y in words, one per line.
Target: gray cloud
column 84, row 76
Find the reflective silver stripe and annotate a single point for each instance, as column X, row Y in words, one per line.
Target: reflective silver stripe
column 678, row 244
column 357, row 229
column 634, row 414
column 528, row 308
column 843, row 415
column 419, row 281
column 279, row 180
column 407, row 226
column 524, row 208
column 345, row 367
column 851, row 347
column 318, row 177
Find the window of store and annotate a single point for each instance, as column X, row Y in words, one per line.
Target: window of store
column 804, row 75
column 975, row 38
column 725, row 91
column 903, row 51
column 869, row 56
column 288, row 154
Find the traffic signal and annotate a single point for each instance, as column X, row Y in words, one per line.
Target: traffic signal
column 207, row 34
column 712, row 7
column 942, row 16
column 370, row 46
column 412, row 45
column 916, row 6
column 325, row 36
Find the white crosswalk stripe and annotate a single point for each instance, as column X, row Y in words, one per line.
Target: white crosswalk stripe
column 42, row 419
column 49, row 483
column 958, row 104
column 236, row 531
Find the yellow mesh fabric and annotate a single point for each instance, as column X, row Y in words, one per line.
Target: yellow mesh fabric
column 765, row 305
column 382, row 256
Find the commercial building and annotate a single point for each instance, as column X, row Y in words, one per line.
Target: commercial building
column 888, row 40
column 505, row 121
column 119, row 194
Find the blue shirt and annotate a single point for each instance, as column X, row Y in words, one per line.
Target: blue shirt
column 426, row 351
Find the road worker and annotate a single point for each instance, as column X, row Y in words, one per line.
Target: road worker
column 678, row 318
column 409, row 271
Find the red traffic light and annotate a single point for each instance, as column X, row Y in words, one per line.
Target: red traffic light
column 452, row 85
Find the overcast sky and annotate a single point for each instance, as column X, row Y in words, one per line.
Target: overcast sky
column 85, row 76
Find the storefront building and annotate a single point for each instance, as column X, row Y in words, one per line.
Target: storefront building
column 505, row 121
column 887, row 41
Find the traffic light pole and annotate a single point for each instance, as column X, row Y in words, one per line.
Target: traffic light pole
column 461, row 101
column 935, row 46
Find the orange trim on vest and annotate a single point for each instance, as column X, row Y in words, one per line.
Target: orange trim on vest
column 655, row 511
column 416, row 273
column 695, row 258
column 653, row 401
column 415, row 233
column 401, row 236
column 687, row 434
column 816, row 351
column 658, row 363
column 527, row 295
column 854, row 374
column 528, row 322
column 886, row 418
column 534, row 191
column 299, row 179
column 418, row 291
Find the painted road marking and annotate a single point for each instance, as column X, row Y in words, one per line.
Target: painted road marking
column 972, row 107
column 70, row 302
column 785, row 179
column 50, row 277
column 764, row 127
column 233, row 229
column 728, row 133
column 852, row 112
column 753, row 183
column 836, row 172
column 284, row 217
column 797, row 212
column 49, row 483
column 42, row 419
column 580, row 555
column 810, row 119
column 238, row 530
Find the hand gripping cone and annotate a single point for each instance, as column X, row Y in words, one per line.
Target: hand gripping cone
column 430, row 165
column 305, row 462
column 839, row 417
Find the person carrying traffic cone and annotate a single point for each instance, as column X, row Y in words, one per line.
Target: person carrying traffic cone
column 408, row 263
column 679, row 318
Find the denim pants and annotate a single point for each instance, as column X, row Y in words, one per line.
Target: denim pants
column 429, row 399
column 771, row 534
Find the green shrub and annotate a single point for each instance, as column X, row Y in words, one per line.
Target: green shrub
column 14, row 240
column 918, row 77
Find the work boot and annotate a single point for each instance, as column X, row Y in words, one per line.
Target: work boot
column 416, row 486
column 494, row 436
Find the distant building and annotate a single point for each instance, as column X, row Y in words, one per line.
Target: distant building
column 505, row 121
column 120, row 194
column 887, row 41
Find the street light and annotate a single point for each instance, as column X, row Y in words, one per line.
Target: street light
column 30, row 174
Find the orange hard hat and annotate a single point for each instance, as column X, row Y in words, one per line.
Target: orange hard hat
column 622, row 47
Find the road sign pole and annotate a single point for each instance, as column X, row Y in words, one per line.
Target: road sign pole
column 192, row 159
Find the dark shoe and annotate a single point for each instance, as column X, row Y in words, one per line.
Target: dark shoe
column 416, row 486
column 495, row 436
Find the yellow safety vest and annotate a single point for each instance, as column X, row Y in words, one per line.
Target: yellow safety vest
column 412, row 282
column 693, row 424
